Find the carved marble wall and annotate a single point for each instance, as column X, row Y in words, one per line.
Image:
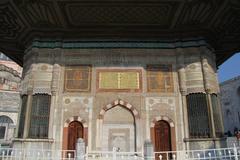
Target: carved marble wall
column 161, row 106
column 77, row 106
column 44, row 73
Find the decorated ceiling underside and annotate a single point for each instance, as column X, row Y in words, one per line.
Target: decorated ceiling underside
column 217, row 21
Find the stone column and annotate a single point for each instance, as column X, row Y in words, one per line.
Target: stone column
column 148, row 134
column 138, row 136
column 183, row 91
column 54, row 89
column 211, row 115
column 27, row 115
column 207, row 87
column 99, row 130
column 220, row 108
column 53, row 108
column 90, row 119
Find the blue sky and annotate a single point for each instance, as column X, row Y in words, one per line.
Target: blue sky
column 230, row 68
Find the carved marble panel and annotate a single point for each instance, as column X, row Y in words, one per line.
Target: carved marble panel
column 42, row 78
column 194, row 76
column 161, row 106
column 77, row 106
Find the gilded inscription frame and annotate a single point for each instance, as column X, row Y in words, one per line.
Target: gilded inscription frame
column 76, row 67
column 99, row 71
column 158, row 68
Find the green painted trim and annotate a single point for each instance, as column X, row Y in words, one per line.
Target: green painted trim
column 117, row 44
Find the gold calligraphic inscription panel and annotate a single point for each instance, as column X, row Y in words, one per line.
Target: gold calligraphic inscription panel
column 159, row 78
column 119, row 80
column 108, row 80
column 129, row 80
column 77, row 78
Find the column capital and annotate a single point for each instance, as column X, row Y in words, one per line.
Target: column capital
column 183, row 92
column 54, row 93
column 208, row 90
column 30, row 92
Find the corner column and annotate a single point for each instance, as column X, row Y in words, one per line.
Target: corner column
column 183, row 91
column 207, row 87
column 54, row 90
column 27, row 115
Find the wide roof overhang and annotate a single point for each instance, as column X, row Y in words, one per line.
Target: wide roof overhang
column 22, row 21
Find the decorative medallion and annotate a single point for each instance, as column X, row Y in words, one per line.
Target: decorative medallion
column 85, row 101
column 192, row 66
column 44, row 67
column 67, row 101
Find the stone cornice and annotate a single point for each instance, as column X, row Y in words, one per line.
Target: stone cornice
column 197, row 42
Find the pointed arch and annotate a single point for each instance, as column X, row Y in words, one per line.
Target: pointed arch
column 75, row 118
column 165, row 118
column 121, row 103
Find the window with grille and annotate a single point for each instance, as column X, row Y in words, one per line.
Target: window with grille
column 39, row 116
column 159, row 78
column 22, row 116
column 77, row 78
column 198, row 118
column 217, row 116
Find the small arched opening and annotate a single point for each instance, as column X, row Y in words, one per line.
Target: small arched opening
column 75, row 131
column 6, row 128
column 162, row 136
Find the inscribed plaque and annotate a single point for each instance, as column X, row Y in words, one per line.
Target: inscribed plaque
column 119, row 80
column 77, row 78
column 159, row 78
column 129, row 80
column 108, row 80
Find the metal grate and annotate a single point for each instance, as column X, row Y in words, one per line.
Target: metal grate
column 198, row 115
column 39, row 116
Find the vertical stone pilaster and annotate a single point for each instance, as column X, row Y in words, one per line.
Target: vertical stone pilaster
column 181, row 72
column 211, row 115
column 220, row 108
column 28, row 115
column 138, row 136
column 99, row 133
column 183, row 91
column 90, row 119
column 147, row 123
column 207, row 88
column 51, row 115
column 54, row 89
column 204, row 63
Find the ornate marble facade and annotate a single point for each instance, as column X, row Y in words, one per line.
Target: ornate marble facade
column 126, row 115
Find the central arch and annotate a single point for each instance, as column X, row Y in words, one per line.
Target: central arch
column 119, row 126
